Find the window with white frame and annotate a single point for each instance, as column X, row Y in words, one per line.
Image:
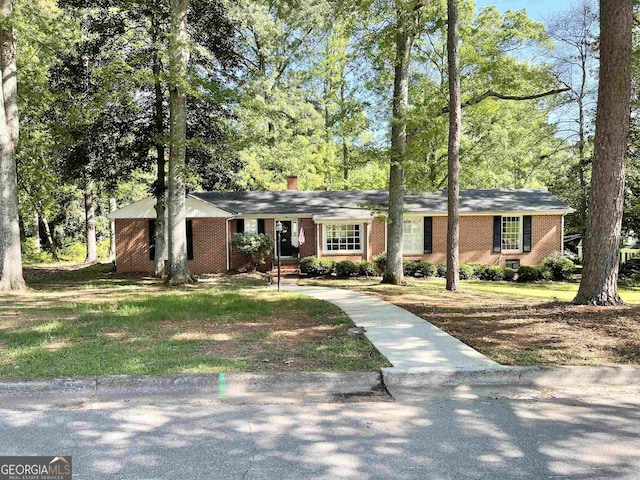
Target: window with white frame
column 343, row 237
column 511, row 234
column 412, row 233
column 251, row 225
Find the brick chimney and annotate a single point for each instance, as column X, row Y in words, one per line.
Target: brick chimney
column 292, row 182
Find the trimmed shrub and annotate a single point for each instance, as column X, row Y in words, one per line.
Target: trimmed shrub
column 426, row 269
column 544, row 273
column 316, row 267
column 528, row 273
column 255, row 245
column 466, row 272
column 381, row 261
column 561, row 267
column 347, row 268
column 367, row 269
column 493, row 273
column 410, row 268
column 441, row 270
column 509, row 274
column 477, row 268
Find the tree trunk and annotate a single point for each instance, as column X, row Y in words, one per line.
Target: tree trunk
column 404, row 43
column 10, row 254
column 599, row 279
column 453, row 225
column 90, row 220
column 178, row 58
column 161, row 187
column 49, row 237
column 37, row 246
column 113, row 206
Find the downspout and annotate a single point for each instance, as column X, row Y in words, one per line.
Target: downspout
column 562, row 236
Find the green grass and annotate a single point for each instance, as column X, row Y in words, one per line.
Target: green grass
column 560, row 291
column 87, row 324
column 554, row 291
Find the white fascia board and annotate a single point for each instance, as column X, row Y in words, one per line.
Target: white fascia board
column 514, row 213
column 145, row 209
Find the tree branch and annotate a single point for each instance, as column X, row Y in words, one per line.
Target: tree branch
column 491, row 93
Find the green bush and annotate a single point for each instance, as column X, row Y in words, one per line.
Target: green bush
column 102, row 249
column 466, row 272
column 255, row 245
column 410, row 267
column 381, row 261
column 441, row 270
column 561, row 267
column 29, row 254
column 477, row 268
column 316, row 267
column 75, row 252
column 367, row 269
column 509, row 274
column 426, row 269
column 528, row 273
column 493, row 273
column 347, row 268
column 544, row 273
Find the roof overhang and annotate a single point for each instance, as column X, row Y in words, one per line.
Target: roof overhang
column 145, row 208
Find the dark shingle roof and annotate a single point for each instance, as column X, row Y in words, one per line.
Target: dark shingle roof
column 331, row 202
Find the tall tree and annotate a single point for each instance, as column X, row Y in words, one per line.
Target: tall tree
column 10, row 255
column 600, row 274
column 406, row 29
column 455, row 127
column 178, row 63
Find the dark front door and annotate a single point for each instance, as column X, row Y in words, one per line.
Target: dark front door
column 286, row 248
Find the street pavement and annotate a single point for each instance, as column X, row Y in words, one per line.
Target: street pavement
column 460, row 433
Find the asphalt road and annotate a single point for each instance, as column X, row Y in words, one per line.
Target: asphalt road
column 461, row 435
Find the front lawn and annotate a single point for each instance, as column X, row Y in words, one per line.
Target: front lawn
column 85, row 321
column 519, row 324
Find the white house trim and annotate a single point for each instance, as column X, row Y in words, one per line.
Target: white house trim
column 145, row 208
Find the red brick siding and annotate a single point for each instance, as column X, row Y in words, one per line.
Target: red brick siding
column 209, row 251
column 378, row 239
column 309, row 247
column 476, row 240
column 210, row 254
column 132, row 245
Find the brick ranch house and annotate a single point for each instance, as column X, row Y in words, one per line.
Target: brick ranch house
column 506, row 227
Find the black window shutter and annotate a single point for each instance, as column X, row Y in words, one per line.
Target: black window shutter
column 189, row 240
column 261, row 227
column 526, row 233
column 152, row 239
column 497, row 234
column 428, row 234
column 240, row 225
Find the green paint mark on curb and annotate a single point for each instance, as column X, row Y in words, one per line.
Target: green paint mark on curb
column 221, row 386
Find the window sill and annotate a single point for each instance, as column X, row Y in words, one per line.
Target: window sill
column 342, row 252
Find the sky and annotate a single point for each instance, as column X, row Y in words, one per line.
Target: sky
column 537, row 9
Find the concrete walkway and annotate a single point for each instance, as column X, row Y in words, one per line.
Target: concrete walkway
column 408, row 341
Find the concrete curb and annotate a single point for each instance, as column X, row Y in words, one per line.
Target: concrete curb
column 225, row 385
column 565, row 376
